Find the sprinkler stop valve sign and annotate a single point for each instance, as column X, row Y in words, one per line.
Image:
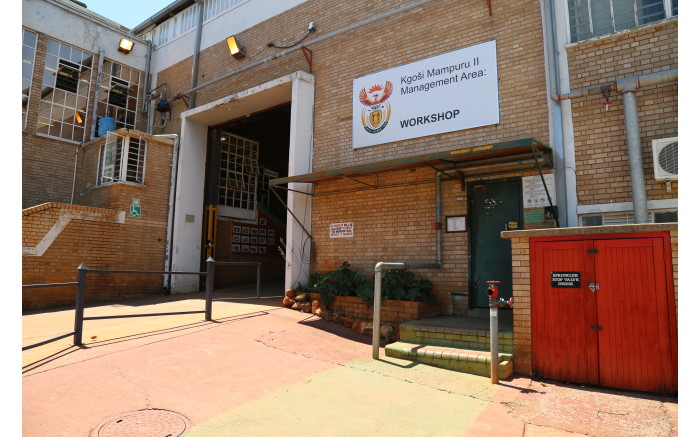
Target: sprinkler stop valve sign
column 449, row 92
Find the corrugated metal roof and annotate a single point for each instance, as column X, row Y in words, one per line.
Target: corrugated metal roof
column 480, row 153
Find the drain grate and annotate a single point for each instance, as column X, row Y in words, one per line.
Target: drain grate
column 145, row 423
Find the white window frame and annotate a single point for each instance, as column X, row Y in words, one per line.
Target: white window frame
column 238, row 177
column 617, row 218
column 105, row 85
column 668, row 11
column 119, row 162
column 58, row 102
column 31, row 74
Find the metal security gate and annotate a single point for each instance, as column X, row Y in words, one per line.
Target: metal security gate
column 603, row 312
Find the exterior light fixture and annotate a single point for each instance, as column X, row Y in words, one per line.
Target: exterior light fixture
column 125, row 46
column 234, row 48
column 78, row 118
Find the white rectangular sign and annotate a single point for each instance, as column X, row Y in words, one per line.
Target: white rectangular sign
column 453, row 91
column 534, row 195
column 342, row 230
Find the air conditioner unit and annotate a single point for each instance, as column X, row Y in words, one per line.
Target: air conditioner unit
column 665, row 158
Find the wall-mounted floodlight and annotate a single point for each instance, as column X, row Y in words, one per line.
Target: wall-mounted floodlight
column 234, row 48
column 126, row 46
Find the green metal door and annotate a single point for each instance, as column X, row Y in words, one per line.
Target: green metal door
column 494, row 206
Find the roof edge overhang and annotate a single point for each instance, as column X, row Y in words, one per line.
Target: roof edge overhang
column 441, row 161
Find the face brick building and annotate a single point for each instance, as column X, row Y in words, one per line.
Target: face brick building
column 359, row 132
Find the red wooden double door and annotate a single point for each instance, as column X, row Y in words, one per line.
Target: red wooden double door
column 603, row 313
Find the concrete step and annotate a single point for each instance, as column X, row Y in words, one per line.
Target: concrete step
column 476, row 362
column 425, row 332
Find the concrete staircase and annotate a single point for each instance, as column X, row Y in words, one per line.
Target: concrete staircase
column 458, row 343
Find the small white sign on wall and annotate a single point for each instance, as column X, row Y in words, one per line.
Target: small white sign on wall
column 342, row 230
column 534, row 194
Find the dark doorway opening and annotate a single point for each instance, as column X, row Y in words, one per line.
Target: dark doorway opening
column 244, row 221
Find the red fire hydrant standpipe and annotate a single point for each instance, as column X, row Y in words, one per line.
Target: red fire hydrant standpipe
column 494, row 303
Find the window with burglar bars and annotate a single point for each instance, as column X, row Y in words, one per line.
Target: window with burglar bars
column 64, row 92
column 238, row 172
column 589, row 18
column 122, row 159
column 119, row 90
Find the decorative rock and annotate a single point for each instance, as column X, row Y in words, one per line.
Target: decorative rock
column 306, row 307
column 347, row 321
column 290, row 293
column 303, row 297
column 326, row 315
column 315, row 305
column 337, row 318
column 296, row 306
column 287, row 301
column 367, row 328
column 357, row 326
column 386, row 331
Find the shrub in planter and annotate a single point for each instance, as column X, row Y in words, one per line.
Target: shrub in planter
column 339, row 282
column 399, row 284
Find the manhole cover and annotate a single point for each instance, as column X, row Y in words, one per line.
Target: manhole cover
column 146, row 423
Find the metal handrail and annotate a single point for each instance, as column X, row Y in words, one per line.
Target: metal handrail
column 376, row 316
column 83, row 271
column 50, row 340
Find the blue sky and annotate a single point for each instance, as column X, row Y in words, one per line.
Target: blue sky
column 129, row 13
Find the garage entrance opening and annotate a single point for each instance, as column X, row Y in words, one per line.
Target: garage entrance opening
column 243, row 220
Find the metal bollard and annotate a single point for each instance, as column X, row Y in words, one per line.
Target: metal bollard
column 209, row 289
column 80, row 305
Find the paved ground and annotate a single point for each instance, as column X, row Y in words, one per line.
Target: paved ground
column 262, row 370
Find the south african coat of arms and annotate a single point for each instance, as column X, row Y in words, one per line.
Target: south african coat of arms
column 376, row 116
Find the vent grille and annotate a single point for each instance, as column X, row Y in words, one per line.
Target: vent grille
column 668, row 158
column 665, row 152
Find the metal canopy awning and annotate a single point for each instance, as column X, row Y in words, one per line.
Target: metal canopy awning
column 536, row 153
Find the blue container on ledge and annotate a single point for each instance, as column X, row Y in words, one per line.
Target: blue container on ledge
column 106, row 124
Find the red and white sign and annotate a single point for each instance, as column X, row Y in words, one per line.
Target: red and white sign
column 342, row 230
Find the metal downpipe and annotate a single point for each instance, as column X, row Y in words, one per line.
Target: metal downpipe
column 170, row 229
column 93, row 122
column 560, row 162
column 438, row 218
column 197, row 45
column 147, row 84
column 634, row 153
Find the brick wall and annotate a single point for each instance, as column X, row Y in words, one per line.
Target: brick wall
column 97, row 242
column 601, row 146
column 391, row 224
column 393, row 312
column 403, row 38
column 394, row 225
column 134, row 244
column 522, row 321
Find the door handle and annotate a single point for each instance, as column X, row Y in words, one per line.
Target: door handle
column 593, row 287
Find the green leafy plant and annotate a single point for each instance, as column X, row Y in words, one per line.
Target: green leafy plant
column 339, row 282
column 399, row 284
